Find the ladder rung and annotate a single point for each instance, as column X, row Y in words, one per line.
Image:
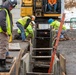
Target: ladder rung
column 41, row 65
column 41, row 56
column 37, row 73
column 41, row 37
column 40, row 62
column 42, row 48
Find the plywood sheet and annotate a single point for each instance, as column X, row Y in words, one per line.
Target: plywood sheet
column 14, row 46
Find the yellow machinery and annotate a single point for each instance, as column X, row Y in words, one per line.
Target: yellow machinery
column 39, row 8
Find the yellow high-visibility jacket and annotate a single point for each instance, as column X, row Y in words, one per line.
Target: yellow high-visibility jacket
column 23, row 20
column 7, row 22
column 56, row 25
column 29, row 30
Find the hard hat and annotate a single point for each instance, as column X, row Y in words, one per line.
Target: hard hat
column 13, row 3
column 50, row 20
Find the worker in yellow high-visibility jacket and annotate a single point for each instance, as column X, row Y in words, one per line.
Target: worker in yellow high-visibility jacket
column 23, row 23
column 29, row 33
column 5, row 27
column 55, row 24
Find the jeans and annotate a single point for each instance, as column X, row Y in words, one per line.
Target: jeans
column 62, row 33
column 50, row 7
column 23, row 36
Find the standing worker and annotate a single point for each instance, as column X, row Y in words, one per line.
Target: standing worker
column 52, row 4
column 10, row 38
column 23, row 23
column 5, row 28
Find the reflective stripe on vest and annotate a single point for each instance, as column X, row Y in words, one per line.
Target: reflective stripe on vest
column 7, row 22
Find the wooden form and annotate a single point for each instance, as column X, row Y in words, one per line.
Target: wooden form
column 62, row 64
column 14, row 69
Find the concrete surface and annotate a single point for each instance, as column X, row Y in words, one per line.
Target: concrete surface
column 68, row 50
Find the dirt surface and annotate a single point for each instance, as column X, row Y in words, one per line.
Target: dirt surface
column 68, row 50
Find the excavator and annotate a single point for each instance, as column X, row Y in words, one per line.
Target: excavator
column 42, row 56
column 39, row 8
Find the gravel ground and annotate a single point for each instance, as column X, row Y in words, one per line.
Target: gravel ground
column 68, row 50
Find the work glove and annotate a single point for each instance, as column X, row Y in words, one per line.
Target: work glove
column 10, row 38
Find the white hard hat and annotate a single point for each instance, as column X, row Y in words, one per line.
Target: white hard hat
column 33, row 16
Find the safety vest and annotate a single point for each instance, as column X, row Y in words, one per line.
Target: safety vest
column 29, row 30
column 56, row 25
column 52, row 1
column 7, row 22
column 23, row 20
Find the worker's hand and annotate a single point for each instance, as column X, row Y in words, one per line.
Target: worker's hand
column 10, row 38
column 51, row 4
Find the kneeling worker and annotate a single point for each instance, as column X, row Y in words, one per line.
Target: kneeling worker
column 55, row 25
column 29, row 32
column 23, row 23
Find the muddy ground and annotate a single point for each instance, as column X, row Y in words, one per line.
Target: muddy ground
column 68, row 50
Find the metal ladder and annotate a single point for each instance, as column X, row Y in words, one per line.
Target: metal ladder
column 41, row 52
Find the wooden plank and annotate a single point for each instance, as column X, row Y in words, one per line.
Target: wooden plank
column 13, row 66
column 37, row 73
column 18, row 62
column 42, row 48
column 14, row 47
column 63, row 63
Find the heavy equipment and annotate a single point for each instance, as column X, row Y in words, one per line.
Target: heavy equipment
column 40, row 9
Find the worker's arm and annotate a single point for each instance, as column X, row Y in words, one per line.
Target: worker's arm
column 30, row 31
column 27, row 23
column 3, row 20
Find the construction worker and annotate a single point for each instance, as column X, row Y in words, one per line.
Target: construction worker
column 10, row 38
column 23, row 23
column 5, row 27
column 52, row 4
column 55, row 24
column 29, row 33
